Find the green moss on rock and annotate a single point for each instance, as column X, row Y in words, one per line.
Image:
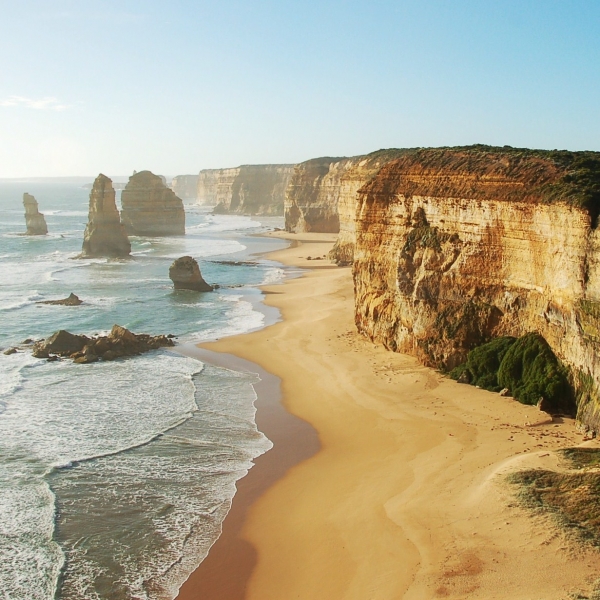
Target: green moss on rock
column 527, row 367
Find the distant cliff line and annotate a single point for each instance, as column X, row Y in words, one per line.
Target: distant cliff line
column 452, row 247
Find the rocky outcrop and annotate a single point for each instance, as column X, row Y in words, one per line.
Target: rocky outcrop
column 322, row 196
column 185, row 275
column 34, row 220
column 71, row 300
column 120, row 342
column 312, row 195
column 104, row 235
column 248, row 190
column 457, row 246
column 185, row 186
column 149, row 207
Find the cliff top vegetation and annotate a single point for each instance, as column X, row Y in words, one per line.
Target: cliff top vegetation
column 492, row 172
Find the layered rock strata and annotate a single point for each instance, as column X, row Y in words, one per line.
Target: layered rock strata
column 150, row 208
column 322, row 196
column 185, row 186
column 456, row 246
column 104, row 235
column 185, row 275
column 248, row 189
column 34, row 220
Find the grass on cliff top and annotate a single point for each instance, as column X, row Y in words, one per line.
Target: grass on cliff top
column 573, row 498
column 527, row 367
column 579, row 186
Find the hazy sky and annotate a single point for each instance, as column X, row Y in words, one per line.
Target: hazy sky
column 175, row 87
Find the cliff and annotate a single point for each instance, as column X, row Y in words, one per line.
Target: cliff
column 248, row 189
column 34, row 220
column 104, row 235
column 457, row 246
column 150, row 208
column 321, row 196
column 185, row 186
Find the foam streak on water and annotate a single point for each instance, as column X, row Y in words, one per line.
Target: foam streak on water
column 115, row 477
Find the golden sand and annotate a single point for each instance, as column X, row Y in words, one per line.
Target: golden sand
column 406, row 497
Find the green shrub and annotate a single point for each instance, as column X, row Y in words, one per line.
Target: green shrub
column 526, row 366
column 483, row 363
column 530, row 370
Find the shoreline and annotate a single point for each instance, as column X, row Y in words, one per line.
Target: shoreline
column 224, row 573
column 406, row 496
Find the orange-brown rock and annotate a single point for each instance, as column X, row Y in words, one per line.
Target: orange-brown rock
column 104, row 235
column 248, row 189
column 34, row 220
column 322, row 196
column 455, row 246
column 149, row 207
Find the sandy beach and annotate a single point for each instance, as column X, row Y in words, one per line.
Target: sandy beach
column 406, row 496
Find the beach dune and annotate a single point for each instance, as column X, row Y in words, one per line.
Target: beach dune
column 406, row 497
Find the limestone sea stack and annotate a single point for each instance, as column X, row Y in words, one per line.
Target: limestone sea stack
column 150, row 208
column 104, row 235
column 34, row 220
column 185, row 275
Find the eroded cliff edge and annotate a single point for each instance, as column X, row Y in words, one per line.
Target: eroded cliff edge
column 457, row 246
column 248, row 189
column 322, row 196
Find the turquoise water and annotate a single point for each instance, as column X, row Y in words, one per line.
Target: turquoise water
column 115, row 477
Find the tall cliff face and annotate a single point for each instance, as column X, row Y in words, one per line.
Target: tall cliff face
column 34, row 220
column 185, row 186
column 322, row 196
column 104, row 235
column 454, row 247
column 206, row 192
column 249, row 189
column 150, row 208
column 312, row 196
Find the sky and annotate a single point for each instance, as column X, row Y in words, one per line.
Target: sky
column 175, row 87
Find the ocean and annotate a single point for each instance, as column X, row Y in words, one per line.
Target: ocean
column 115, row 477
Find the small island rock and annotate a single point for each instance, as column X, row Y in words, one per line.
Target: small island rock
column 72, row 300
column 34, row 220
column 185, row 275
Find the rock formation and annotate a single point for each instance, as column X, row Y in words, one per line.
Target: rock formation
column 34, row 220
column 120, row 342
column 104, row 235
column 71, row 300
column 185, row 275
column 185, row 186
column 248, row 190
column 457, row 246
column 322, row 196
column 149, row 207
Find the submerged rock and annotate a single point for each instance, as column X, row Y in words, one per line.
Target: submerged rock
column 34, row 220
column 104, row 235
column 150, row 208
column 185, row 275
column 72, row 300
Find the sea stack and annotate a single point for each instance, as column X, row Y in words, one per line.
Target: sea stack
column 104, row 235
column 150, row 208
column 185, row 275
column 34, row 220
